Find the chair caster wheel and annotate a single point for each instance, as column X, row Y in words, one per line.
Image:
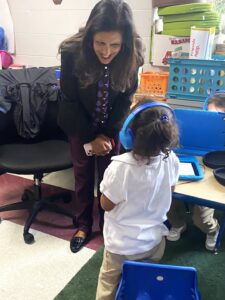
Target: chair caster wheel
column 28, row 238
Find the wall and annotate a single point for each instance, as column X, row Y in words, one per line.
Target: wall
column 40, row 26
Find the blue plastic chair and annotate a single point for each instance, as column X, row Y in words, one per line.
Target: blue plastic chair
column 148, row 281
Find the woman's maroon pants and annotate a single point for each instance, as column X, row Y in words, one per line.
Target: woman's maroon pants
column 87, row 171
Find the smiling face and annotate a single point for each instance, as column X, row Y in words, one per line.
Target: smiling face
column 107, row 45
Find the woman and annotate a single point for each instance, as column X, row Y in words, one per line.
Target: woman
column 99, row 67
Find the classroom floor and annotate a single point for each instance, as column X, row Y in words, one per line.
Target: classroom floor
column 41, row 270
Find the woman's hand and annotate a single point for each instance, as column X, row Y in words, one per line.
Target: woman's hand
column 101, row 145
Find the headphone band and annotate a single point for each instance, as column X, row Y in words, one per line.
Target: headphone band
column 143, row 107
column 126, row 135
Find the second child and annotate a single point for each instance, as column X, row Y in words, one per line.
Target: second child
column 203, row 217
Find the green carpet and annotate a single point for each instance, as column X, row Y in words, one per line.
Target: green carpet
column 189, row 251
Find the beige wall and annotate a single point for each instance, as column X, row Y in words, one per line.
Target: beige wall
column 40, row 26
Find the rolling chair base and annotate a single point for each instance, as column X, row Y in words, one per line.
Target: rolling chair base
column 35, row 204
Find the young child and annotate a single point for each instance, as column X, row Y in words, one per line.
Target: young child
column 136, row 192
column 202, row 216
column 216, row 102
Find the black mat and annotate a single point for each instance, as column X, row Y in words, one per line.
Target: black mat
column 220, row 175
column 214, row 159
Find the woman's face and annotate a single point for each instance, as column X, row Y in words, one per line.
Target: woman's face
column 106, row 45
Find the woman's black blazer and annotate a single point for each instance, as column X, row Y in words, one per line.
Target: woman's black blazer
column 78, row 104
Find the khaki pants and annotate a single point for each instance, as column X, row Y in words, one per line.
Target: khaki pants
column 202, row 216
column 111, row 269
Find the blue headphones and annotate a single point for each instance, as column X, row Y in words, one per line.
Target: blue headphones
column 126, row 135
column 205, row 103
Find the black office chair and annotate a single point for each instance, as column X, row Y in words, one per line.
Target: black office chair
column 47, row 152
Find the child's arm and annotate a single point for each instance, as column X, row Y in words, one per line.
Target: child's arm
column 106, row 204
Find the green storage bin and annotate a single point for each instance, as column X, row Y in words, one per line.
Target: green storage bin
column 185, row 8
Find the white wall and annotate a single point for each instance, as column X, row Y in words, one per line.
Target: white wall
column 40, row 26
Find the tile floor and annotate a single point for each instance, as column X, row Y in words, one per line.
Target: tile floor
column 41, row 270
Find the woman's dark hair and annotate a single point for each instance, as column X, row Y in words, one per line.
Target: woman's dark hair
column 218, row 100
column 106, row 16
column 155, row 131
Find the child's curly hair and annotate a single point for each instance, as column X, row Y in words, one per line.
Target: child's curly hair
column 155, row 131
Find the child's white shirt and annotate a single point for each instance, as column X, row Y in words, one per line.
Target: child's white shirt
column 142, row 194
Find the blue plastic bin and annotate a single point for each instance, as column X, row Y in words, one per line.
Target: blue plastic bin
column 195, row 79
column 148, row 281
